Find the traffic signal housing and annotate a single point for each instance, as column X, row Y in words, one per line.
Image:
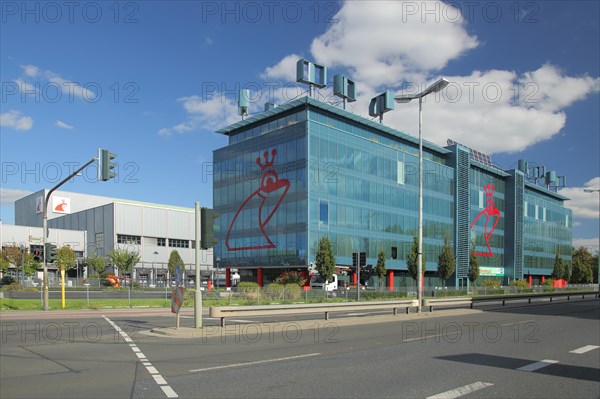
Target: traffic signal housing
column 50, row 253
column 207, row 228
column 37, row 251
column 107, row 167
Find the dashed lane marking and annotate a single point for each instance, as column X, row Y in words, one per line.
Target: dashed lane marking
column 142, row 358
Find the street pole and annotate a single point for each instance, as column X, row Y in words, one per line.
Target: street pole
column 420, row 238
column 434, row 88
column 22, row 265
column 197, row 292
column 45, row 232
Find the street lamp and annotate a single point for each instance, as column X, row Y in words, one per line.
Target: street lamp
column 434, row 88
column 596, row 190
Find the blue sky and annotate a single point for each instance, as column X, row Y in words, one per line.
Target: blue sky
column 152, row 80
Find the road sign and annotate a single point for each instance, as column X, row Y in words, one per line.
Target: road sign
column 177, row 295
column 176, row 299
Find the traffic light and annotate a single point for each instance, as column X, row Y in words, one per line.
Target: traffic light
column 207, row 228
column 359, row 257
column 38, row 253
column 50, row 253
column 107, row 168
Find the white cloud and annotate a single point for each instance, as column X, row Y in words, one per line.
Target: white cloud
column 33, row 78
column 284, row 70
column 210, row 114
column 15, row 120
column 62, row 125
column 589, row 243
column 555, row 91
column 584, row 205
column 30, row 70
column 9, row 195
column 403, row 47
column 384, row 43
column 400, row 46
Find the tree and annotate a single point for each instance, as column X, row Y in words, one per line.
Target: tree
column 65, row 257
column 174, row 260
column 380, row 269
column 12, row 254
column 97, row 262
column 558, row 272
column 325, row 261
column 446, row 262
column 123, row 259
column 582, row 266
column 473, row 266
column 411, row 261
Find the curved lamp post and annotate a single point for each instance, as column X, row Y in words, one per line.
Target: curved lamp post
column 434, row 88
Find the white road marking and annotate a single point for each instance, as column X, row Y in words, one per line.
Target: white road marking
column 584, row 349
column 169, row 391
column 281, row 359
column 159, row 379
column 516, row 322
column 537, row 365
column 142, row 358
column 464, row 390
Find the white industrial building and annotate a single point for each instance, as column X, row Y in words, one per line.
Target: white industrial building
column 26, row 237
column 152, row 230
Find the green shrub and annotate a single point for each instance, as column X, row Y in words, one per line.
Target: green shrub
column 445, row 293
column 386, row 295
column 549, row 283
column 7, row 280
column 248, row 290
column 491, row 283
column 519, row 283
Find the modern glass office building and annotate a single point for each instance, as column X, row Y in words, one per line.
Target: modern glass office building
column 306, row 169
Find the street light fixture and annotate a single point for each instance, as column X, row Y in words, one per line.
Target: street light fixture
column 434, row 88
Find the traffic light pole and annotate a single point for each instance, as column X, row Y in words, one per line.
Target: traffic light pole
column 45, row 226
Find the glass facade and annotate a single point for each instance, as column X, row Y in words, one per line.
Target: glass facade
column 487, row 217
column 260, row 192
column 367, row 183
column 547, row 229
column 305, row 170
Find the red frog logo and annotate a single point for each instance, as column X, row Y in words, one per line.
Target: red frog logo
column 270, row 194
column 492, row 217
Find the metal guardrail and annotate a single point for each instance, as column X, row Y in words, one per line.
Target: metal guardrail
column 223, row 312
column 504, row 298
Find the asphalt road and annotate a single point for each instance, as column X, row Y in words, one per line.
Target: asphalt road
column 541, row 350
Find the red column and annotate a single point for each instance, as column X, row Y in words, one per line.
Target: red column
column 260, row 277
column 209, row 285
column 543, row 279
column 530, row 280
column 227, row 277
column 354, row 278
column 391, row 280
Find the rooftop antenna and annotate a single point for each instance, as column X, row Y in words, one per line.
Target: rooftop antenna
column 311, row 74
column 344, row 88
column 243, row 102
column 381, row 104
